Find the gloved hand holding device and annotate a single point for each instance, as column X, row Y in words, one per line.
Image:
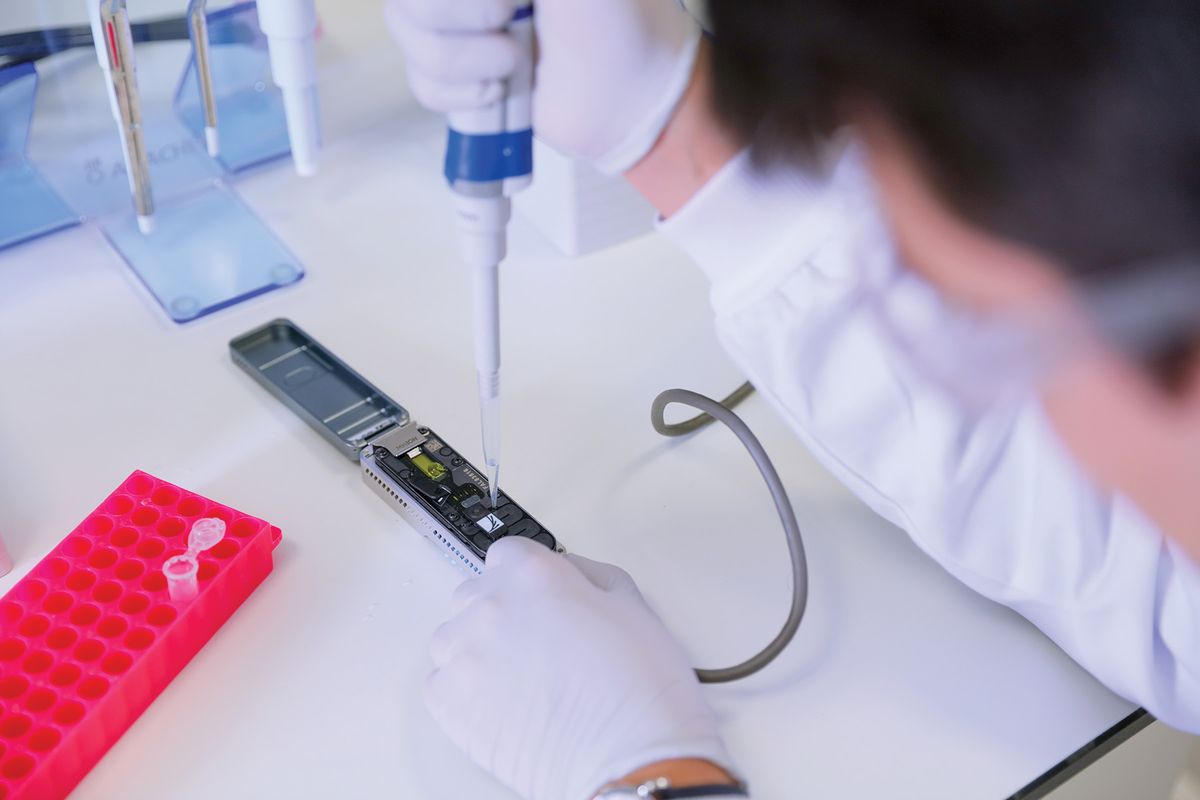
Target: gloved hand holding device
column 554, row 675
column 608, row 76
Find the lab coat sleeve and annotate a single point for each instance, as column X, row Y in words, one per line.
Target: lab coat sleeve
column 994, row 498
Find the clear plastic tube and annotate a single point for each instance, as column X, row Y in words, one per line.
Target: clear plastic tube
column 181, row 571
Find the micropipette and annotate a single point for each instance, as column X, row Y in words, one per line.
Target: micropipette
column 182, row 571
column 489, row 157
column 291, row 30
column 114, row 49
column 197, row 15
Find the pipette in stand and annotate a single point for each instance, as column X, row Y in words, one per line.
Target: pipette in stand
column 291, row 30
column 114, row 49
column 489, row 157
column 197, row 16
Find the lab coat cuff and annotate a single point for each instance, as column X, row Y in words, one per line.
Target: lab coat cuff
column 745, row 224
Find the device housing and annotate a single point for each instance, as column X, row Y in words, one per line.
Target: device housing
column 412, row 469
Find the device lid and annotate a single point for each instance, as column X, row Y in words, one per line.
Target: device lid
column 341, row 405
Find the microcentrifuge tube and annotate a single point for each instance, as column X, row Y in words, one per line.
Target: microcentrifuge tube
column 181, row 570
column 182, row 584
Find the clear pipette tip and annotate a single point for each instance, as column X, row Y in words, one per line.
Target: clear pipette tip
column 212, row 141
column 304, row 127
column 145, row 223
column 493, row 470
column 489, row 408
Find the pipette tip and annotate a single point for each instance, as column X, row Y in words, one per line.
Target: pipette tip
column 145, row 224
column 493, row 482
column 181, row 572
column 306, row 168
column 212, row 142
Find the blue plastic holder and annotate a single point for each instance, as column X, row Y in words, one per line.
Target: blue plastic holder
column 29, row 207
column 208, row 250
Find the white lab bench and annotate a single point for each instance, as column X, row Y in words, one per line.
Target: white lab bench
column 901, row 683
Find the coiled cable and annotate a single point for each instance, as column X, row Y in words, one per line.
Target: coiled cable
column 711, row 410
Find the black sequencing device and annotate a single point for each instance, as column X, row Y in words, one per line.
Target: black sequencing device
column 413, row 469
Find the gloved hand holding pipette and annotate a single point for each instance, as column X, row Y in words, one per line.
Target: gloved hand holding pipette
column 489, row 154
column 608, row 75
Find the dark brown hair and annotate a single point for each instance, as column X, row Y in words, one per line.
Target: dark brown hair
column 1069, row 125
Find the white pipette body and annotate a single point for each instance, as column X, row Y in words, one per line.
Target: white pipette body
column 483, row 224
column 291, row 30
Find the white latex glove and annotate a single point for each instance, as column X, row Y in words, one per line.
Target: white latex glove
column 555, row 676
column 609, row 73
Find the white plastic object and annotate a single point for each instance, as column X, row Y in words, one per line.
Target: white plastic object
column 205, row 533
column 482, row 224
column 182, row 584
column 483, row 212
column 181, row 571
column 578, row 208
column 291, row 30
column 212, row 141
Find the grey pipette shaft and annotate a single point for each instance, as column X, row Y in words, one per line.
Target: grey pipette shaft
column 117, row 45
column 198, row 27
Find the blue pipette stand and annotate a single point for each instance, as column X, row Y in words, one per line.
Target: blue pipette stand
column 208, row 250
column 29, row 207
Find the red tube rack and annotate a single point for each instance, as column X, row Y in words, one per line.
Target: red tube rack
column 90, row 637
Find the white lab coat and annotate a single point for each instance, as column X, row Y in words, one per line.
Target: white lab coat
column 994, row 498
